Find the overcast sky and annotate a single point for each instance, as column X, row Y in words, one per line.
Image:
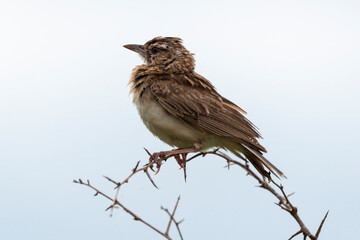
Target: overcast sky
column 66, row 113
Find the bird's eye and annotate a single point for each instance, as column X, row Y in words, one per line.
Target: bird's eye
column 155, row 50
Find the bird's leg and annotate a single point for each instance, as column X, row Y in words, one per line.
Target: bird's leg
column 158, row 157
column 181, row 160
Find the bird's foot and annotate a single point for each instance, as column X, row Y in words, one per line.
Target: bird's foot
column 158, row 157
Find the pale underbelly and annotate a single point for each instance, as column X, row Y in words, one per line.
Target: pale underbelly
column 168, row 128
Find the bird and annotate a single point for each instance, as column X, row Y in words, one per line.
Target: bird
column 184, row 110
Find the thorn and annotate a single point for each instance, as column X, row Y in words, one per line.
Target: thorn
column 136, row 166
column 184, row 175
column 151, row 180
column 321, row 225
column 289, row 195
column 109, row 179
column 111, row 206
column 149, row 154
column 294, row 235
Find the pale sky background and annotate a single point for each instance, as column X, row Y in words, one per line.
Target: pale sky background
column 65, row 113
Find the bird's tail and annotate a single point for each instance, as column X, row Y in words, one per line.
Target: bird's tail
column 256, row 159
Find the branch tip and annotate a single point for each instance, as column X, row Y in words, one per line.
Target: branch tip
column 294, row 235
column 151, row 180
column 321, row 225
column 136, row 167
column 111, row 206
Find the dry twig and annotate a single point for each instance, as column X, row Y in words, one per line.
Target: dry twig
column 173, row 220
column 115, row 201
column 284, row 202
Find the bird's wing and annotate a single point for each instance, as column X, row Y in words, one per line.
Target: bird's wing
column 203, row 108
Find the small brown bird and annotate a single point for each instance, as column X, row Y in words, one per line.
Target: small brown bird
column 184, row 110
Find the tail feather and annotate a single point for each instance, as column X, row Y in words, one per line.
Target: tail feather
column 264, row 161
column 255, row 162
column 256, row 159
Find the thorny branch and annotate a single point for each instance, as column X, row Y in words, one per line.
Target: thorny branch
column 172, row 219
column 115, row 201
column 284, row 202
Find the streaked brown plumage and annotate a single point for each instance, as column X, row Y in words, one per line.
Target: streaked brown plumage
column 183, row 108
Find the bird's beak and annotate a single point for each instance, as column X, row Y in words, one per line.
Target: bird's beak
column 136, row 48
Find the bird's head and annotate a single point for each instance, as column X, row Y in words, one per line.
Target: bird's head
column 167, row 53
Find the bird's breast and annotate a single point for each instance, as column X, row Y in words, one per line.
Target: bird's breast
column 167, row 127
